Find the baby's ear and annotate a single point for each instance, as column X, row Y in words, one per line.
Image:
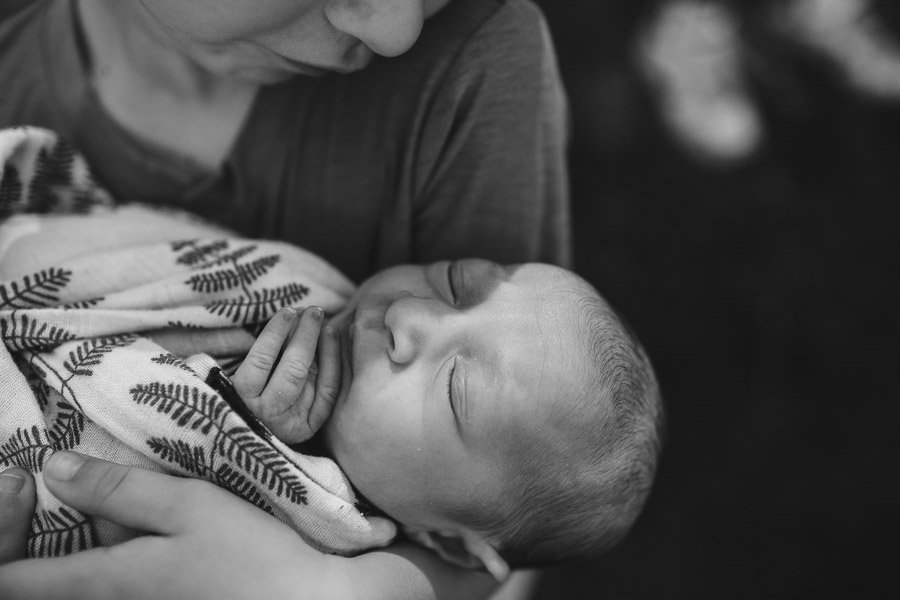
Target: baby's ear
column 462, row 548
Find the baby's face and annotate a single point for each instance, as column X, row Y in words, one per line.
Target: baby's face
column 447, row 371
column 265, row 41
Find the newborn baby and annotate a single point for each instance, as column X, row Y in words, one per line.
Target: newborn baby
column 503, row 415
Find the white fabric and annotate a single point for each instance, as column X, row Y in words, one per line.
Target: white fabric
column 100, row 316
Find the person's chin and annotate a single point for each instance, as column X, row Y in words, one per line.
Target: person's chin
column 262, row 75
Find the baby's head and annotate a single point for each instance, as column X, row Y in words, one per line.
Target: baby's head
column 501, row 409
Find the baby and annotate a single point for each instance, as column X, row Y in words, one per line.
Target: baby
column 503, row 415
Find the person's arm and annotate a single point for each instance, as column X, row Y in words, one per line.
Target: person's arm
column 204, row 543
column 405, row 570
column 491, row 175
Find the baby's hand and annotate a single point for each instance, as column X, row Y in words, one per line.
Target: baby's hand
column 292, row 394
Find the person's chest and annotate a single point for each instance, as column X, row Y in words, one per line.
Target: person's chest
column 202, row 130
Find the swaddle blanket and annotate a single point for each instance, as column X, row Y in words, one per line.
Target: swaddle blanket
column 118, row 326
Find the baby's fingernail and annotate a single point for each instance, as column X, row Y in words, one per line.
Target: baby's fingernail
column 317, row 313
column 11, row 484
column 289, row 313
column 328, row 331
column 63, row 466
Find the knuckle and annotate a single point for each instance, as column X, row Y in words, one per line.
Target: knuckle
column 260, row 360
column 269, row 339
column 328, row 391
column 296, row 371
column 109, row 480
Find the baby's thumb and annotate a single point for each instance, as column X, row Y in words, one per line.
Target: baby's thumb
column 16, row 510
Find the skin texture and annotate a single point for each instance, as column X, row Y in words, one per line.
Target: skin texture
column 448, row 376
column 17, row 498
column 446, row 373
column 441, row 376
column 190, row 554
column 183, row 75
column 268, row 40
column 282, row 380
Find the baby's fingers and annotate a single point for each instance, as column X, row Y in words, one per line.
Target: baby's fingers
column 251, row 377
column 328, row 383
column 296, row 365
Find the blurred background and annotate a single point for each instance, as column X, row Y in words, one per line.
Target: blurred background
column 736, row 184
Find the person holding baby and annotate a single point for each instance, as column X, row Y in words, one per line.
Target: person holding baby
column 372, row 132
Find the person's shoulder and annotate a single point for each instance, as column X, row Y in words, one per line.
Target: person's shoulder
column 8, row 8
column 499, row 25
column 18, row 23
column 21, row 60
column 503, row 39
column 521, row 17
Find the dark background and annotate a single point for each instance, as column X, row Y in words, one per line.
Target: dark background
column 766, row 293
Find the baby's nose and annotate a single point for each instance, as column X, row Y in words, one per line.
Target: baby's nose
column 387, row 27
column 412, row 323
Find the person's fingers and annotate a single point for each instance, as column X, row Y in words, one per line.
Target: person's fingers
column 296, row 365
column 328, row 383
column 17, row 499
column 133, row 497
column 251, row 377
column 98, row 574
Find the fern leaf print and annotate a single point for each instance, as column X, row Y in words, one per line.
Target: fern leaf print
column 28, row 448
column 259, row 305
column 39, row 290
column 83, row 304
column 170, row 360
column 51, row 183
column 186, row 405
column 19, row 332
column 245, row 449
column 11, row 191
column 232, row 257
column 59, row 532
column 190, row 458
column 198, row 254
column 91, row 353
column 67, row 426
column 233, row 276
column 237, row 482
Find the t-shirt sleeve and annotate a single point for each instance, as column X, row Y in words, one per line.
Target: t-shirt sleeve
column 491, row 177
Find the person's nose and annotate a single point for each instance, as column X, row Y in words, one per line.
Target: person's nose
column 415, row 325
column 387, row 27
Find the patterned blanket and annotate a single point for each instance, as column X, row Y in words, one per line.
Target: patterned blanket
column 119, row 325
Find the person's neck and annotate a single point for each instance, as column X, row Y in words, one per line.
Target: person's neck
column 127, row 42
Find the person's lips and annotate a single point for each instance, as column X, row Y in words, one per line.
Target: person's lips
column 356, row 58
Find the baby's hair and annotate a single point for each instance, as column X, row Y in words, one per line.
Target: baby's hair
column 578, row 498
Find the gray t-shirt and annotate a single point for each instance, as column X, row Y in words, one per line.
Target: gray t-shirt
column 454, row 149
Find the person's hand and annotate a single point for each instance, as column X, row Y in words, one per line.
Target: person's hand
column 206, row 542
column 284, row 380
column 16, row 505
